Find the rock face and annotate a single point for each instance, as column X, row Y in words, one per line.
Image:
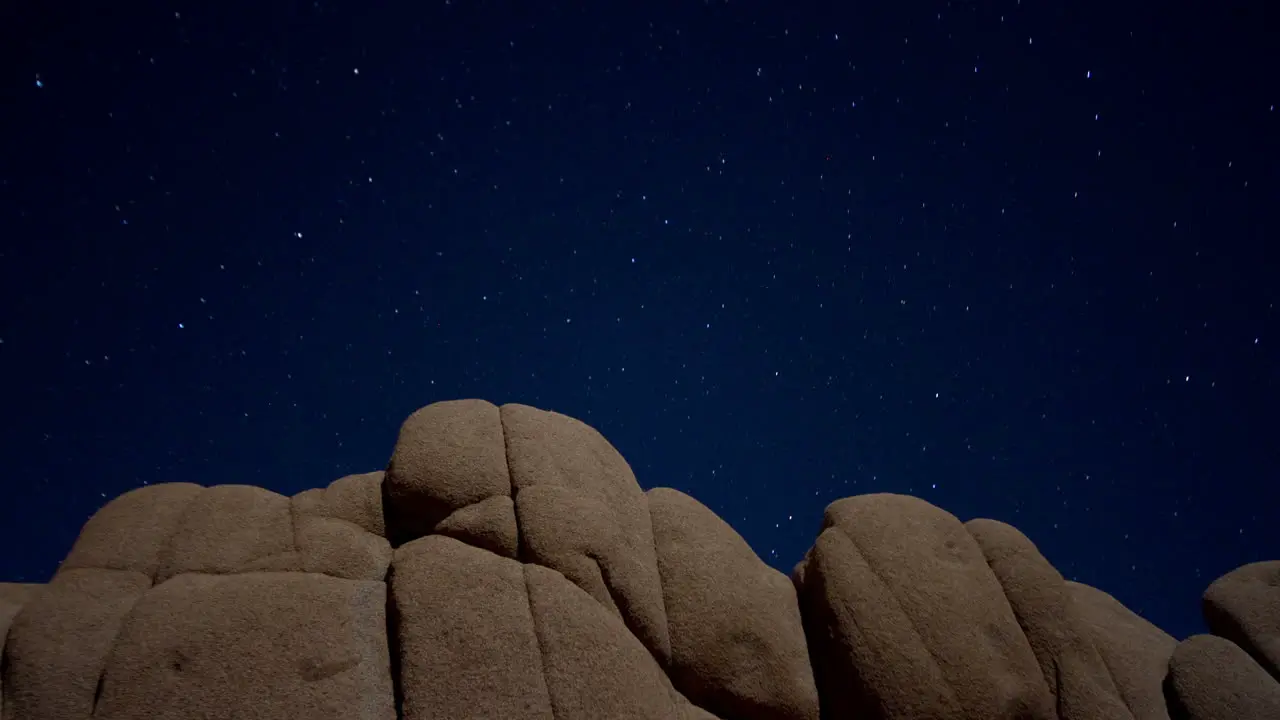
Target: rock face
column 506, row 564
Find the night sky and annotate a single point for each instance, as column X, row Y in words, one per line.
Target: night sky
column 1016, row 258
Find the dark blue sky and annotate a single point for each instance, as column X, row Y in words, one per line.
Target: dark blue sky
column 1014, row 258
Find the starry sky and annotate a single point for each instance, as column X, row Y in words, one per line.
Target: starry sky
column 1016, row 258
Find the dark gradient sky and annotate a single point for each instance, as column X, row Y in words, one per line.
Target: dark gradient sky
column 1014, row 258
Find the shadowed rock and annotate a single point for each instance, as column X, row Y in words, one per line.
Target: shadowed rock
column 1211, row 677
column 1243, row 606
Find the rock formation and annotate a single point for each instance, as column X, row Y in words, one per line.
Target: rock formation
column 506, row 564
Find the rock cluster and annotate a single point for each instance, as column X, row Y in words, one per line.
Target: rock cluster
column 506, row 564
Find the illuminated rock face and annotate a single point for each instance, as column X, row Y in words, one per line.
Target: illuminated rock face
column 506, row 564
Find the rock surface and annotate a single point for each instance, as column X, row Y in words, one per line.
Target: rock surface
column 507, row 564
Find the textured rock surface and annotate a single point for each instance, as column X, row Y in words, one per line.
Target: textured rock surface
column 507, row 564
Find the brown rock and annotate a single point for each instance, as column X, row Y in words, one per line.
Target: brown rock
column 1074, row 673
column 1210, row 677
column 1135, row 651
column 12, row 597
column 465, row 635
column 57, row 648
column 737, row 641
column 581, row 512
column 906, row 620
column 1243, row 606
column 531, row 577
column 201, row 644
column 449, row 455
